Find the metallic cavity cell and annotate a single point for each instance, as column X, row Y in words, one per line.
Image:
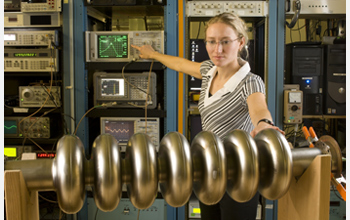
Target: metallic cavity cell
column 175, row 169
column 68, row 173
column 240, row 165
column 107, row 172
column 140, row 169
column 275, row 164
column 209, row 167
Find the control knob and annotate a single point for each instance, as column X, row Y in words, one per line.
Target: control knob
column 294, row 108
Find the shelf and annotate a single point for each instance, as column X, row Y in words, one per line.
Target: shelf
column 325, row 116
column 40, row 141
column 117, row 66
column 29, row 74
column 126, row 112
column 125, row 4
column 9, row 112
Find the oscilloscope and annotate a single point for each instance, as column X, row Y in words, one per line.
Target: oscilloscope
column 34, row 127
column 123, row 128
column 114, row 46
column 114, row 88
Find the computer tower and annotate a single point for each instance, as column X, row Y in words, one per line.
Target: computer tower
column 304, row 66
column 335, row 80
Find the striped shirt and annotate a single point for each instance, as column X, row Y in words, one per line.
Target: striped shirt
column 227, row 109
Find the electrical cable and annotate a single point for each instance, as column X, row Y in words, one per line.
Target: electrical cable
column 37, row 119
column 295, row 133
column 47, row 200
column 146, row 102
column 295, row 16
column 335, row 193
column 299, row 30
column 55, row 102
column 19, row 124
column 96, row 213
column 73, row 119
column 127, row 64
column 49, row 94
column 76, row 129
column 199, row 28
column 7, row 106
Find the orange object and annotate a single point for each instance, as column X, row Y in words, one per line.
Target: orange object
column 306, row 133
column 307, row 136
column 312, row 132
column 340, row 188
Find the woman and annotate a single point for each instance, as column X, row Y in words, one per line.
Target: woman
column 231, row 96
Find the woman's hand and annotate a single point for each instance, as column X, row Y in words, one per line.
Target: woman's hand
column 261, row 126
column 146, row 51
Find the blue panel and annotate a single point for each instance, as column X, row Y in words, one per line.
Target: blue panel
column 171, row 213
column 67, row 63
column 181, row 213
column 272, row 57
column 271, row 82
column 80, row 74
column 184, row 78
column 280, row 63
column 80, row 81
column 276, row 41
column 270, row 210
column 171, row 77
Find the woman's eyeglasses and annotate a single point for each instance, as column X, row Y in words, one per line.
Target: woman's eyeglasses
column 213, row 43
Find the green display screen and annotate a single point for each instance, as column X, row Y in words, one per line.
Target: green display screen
column 25, row 54
column 113, row 46
column 10, row 127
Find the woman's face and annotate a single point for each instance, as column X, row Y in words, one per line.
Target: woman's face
column 222, row 44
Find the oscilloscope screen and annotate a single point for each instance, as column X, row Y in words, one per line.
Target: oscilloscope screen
column 10, row 127
column 113, row 46
column 120, row 130
column 112, row 87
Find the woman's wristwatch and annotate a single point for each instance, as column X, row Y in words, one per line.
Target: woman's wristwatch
column 266, row 121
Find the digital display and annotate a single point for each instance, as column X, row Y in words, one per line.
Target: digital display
column 112, row 87
column 25, row 54
column 10, row 151
column 120, row 130
column 197, row 210
column 10, row 127
column 45, row 155
column 113, row 46
column 9, row 37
